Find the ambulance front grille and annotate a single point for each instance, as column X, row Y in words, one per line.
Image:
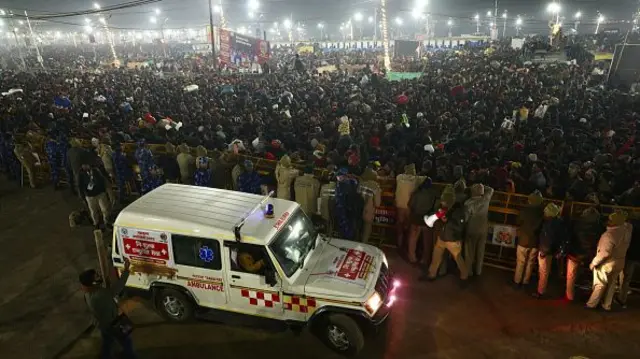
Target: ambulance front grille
column 383, row 284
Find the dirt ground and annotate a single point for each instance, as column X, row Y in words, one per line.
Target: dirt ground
column 488, row 319
column 41, row 307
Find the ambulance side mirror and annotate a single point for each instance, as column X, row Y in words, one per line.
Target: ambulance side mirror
column 270, row 277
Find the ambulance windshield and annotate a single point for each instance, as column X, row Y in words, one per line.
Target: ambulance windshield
column 294, row 242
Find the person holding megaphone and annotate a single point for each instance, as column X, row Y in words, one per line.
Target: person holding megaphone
column 450, row 223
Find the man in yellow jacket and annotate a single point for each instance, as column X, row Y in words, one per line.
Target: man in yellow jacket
column 307, row 190
column 372, row 194
column 285, row 175
column 609, row 260
column 186, row 163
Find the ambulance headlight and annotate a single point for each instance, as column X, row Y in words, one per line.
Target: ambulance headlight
column 373, row 303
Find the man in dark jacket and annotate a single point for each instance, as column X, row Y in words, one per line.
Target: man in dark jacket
column 92, row 188
column 632, row 263
column 551, row 235
column 74, row 157
column 104, row 309
column 421, row 203
column 582, row 246
column 249, row 181
column 450, row 234
column 529, row 221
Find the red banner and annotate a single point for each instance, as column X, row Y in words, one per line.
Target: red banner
column 146, row 249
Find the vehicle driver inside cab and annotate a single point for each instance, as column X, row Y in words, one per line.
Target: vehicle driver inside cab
column 247, row 260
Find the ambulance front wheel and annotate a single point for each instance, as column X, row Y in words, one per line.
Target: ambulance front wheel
column 342, row 334
column 174, row 305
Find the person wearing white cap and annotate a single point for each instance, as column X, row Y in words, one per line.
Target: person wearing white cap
column 609, row 260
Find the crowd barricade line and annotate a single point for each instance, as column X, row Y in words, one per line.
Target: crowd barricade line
column 503, row 210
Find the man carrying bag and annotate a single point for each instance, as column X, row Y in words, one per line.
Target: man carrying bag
column 113, row 325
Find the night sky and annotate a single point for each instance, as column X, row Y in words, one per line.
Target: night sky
column 193, row 13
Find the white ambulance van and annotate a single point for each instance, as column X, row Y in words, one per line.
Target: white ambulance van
column 196, row 250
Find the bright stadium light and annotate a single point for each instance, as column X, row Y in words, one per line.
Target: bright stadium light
column 554, row 8
column 253, row 4
column 287, row 23
column 357, row 16
column 519, row 21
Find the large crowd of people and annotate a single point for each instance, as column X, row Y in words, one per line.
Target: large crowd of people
column 483, row 119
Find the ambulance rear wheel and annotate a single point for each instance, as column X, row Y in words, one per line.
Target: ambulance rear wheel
column 342, row 334
column 174, row 305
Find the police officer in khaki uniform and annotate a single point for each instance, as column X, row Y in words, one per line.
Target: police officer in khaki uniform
column 29, row 161
column 477, row 214
column 328, row 203
column 307, row 189
column 372, row 195
column 406, row 183
column 285, row 175
column 609, row 260
column 186, row 163
column 529, row 221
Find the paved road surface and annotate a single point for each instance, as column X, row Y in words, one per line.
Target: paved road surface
column 431, row 320
column 41, row 309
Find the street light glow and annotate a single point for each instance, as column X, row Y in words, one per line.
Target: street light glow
column 578, row 15
column 253, row 4
column 518, row 21
column 449, row 22
column 287, row 23
column 320, row 26
column 87, row 20
column 217, row 9
column 504, row 15
column 477, row 17
column 489, row 13
column 600, row 18
column 96, row 6
column 157, row 11
column 357, row 16
column 398, row 21
column 554, row 7
column 416, row 13
column 153, row 20
column 370, row 19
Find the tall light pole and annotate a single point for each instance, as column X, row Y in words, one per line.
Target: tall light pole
column 34, row 40
column 321, row 27
column 105, row 24
column 288, row 25
column 599, row 21
column 504, row 26
column 253, row 6
column 518, row 25
column 450, row 24
column 554, row 8
column 358, row 18
column 477, row 18
column 385, row 35
column 577, row 17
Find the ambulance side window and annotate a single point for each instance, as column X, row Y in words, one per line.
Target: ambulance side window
column 248, row 258
column 196, row 252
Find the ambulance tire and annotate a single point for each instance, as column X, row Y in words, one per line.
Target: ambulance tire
column 174, row 306
column 342, row 334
